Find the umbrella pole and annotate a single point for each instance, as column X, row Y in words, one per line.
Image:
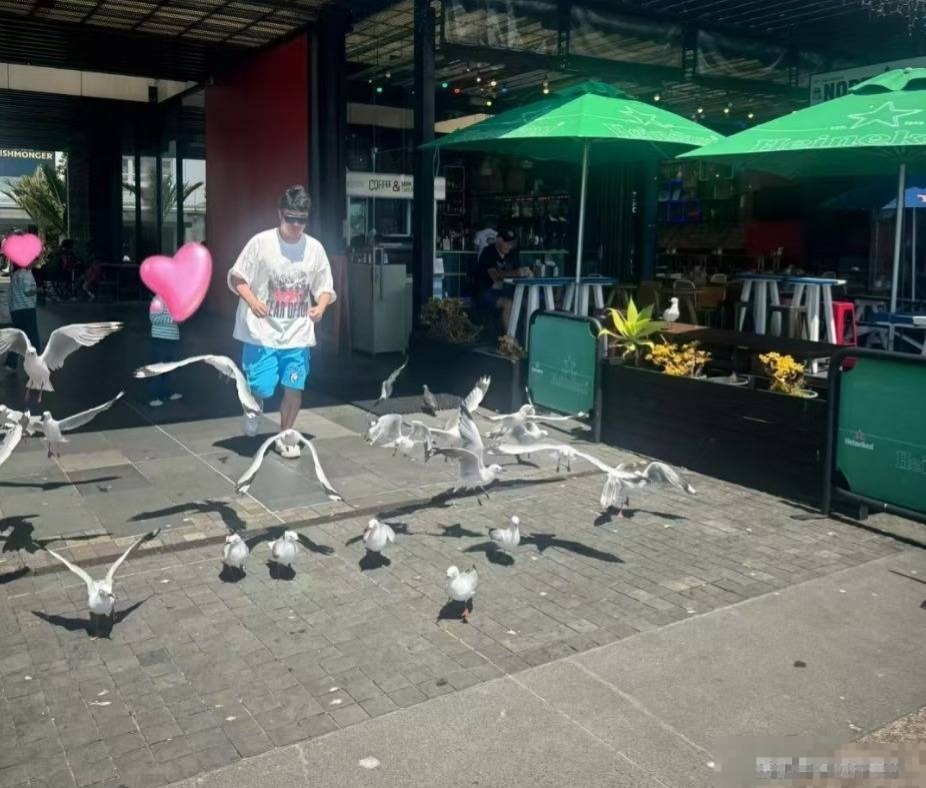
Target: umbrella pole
column 913, row 256
column 898, row 243
column 581, row 239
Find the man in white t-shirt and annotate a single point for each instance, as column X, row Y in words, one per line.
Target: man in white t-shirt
column 278, row 276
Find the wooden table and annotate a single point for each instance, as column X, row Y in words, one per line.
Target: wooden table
column 800, row 349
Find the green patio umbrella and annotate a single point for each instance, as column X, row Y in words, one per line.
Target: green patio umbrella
column 879, row 127
column 590, row 124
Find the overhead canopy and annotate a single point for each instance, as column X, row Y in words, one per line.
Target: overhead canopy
column 618, row 128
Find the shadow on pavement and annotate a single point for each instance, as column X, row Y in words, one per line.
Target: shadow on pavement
column 76, row 624
column 546, row 541
column 230, row 517
column 51, row 486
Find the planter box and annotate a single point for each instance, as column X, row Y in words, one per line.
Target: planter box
column 761, row 439
column 449, row 368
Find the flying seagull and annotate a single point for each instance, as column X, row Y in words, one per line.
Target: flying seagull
column 222, row 363
column 289, row 438
column 461, row 586
column 671, row 314
column 15, row 430
column 100, row 597
column 526, row 413
column 429, row 401
column 377, row 535
column 389, row 383
column 506, row 539
column 62, row 342
column 393, row 432
column 519, row 441
column 474, row 474
column 52, row 428
column 451, row 430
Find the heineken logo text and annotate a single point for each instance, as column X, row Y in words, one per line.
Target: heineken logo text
column 857, row 439
column 907, row 461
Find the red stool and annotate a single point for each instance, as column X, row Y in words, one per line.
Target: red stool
column 841, row 311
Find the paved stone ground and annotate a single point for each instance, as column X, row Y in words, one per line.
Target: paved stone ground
column 200, row 673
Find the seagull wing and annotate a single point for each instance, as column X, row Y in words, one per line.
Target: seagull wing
column 474, row 399
column 85, row 417
column 600, row 464
column 661, row 473
column 73, row 567
column 230, row 369
column 525, row 448
column 469, row 433
column 65, row 340
column 421, row 433
column 385, row 429
column 15, row 341
column 152, row 370
column 389, row 382
column 470, row 463
column 247, row 477
column 132, row 547
column 10, row 442
column 319, row 471
column 546, row 417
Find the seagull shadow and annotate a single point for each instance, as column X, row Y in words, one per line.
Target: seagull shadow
column 280, row 571
column 610, row 515
column 230, row 574
column 454, row 611
column 457, row 531
column 51, row 486
column 373, row 560
column 276, row 532
column 544, row 542
column 20, row 533
column 72, row 624
column 493, row 554
column 16, row 574
column 229, row 516
column 439, row 501
column 519, row 460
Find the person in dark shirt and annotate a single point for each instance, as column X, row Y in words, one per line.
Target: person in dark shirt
column 498, row 261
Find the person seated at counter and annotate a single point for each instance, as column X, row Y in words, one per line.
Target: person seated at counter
column 497, row 262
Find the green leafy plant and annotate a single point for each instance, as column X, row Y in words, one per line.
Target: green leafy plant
column 43, row 196
column 631, row 332
column 446, row 319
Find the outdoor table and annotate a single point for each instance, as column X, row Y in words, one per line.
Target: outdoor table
column 536, row 285
column 762, row 289
column 881, row 323
column 808, row 291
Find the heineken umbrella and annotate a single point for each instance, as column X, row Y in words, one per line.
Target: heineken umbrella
column 879, row 127
column 589, row 124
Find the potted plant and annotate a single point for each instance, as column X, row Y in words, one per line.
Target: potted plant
column 631, row 332
column 680, row 361
column 446, row 320
column 787, row 375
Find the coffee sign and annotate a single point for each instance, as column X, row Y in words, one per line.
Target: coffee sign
column 388, row 186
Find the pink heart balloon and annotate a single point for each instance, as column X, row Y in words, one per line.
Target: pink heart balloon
column 180, row 281
column 22, row 249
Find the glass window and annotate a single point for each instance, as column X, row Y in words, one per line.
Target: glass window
column 194, row 200
column 170, row 189
column 129, row 198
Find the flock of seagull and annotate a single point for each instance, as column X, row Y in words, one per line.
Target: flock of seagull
column 515, row 434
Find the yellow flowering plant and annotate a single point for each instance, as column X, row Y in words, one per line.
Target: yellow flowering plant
column 680, row 361
column 786, row 373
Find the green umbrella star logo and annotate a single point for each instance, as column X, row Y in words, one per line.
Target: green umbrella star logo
column 886, row 115
column 642, row 118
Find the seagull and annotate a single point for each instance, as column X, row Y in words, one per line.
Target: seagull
column 222, row 363
column 517, row 444
column 671, row 314
column 451, row 430
column 100, row 597
column 289, row 438
column 523, row 415
column 523, row 437
column 506, row 539
column 634, row 476
column 53, row 429
column 15, row 430
column 235, row 553
column 474, row 474
column 388, row 384
column 62, row 342
column 461, row 586
column 283, row 551
column 393, row 432
column 377, row 535
column 429, row 405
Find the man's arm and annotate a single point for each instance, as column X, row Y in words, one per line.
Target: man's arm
column 243, row 289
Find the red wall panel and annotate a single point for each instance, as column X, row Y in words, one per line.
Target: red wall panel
column 257, row 144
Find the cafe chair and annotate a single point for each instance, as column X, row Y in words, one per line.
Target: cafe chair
column 719, row 279
column 793, row 317
column 648, row 293
column 843, row 314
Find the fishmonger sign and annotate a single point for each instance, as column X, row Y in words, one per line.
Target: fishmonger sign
column 833, row 84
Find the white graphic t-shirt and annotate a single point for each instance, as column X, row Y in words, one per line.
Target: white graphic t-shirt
column 287, row 287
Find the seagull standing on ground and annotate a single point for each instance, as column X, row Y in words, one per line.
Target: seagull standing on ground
column 222, row 363
column 285, row 549
column 100, row 596
column 461, row 586
column 235, row 553
column 288, row 438
column 671, row 314
column 474, row 474
column 62, row 342
column 377, row 535
column 52, row 428
column 389, row 383
column 508, row 538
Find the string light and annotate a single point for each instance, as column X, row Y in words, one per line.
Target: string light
column 478, row 80
column 700, row 110
column 751, row 115
column 388, row 75
column 445, row 85
column 488, row 102
column 657, row 97
column 493, row 83
column 726, row 110
column 546, row 87
column 456, row 91
column 379, row 88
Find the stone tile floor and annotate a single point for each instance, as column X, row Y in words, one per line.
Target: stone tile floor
column 200, row 672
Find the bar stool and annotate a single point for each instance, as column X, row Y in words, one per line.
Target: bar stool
column 796, row 318
column 841, row 311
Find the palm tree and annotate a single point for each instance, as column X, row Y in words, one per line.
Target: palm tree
column 168, row 191
column 43, row 196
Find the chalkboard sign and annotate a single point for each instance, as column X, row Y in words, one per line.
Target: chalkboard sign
column 878, row 430
column 563, row 362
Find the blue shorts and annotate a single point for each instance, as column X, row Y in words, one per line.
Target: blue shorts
column 266, row 367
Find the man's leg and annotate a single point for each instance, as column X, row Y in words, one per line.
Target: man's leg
column 504, row 304
column 294, row 371
column 260, row 368
column 290, row 407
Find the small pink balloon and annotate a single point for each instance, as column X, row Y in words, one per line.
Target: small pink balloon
column 181, row 281
column 22, row 249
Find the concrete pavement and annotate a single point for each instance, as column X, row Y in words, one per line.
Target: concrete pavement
column 648, row 710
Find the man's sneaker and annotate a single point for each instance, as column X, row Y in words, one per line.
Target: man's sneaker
column 156, row 403
column 175, row 396
column 286, row 451
column 252, row 422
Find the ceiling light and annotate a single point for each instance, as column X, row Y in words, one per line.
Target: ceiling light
column 657, row 97
column 726, row 110
column 488, row 102
column 493, row 83
column 445, row 85
column 379, row 88
column 478, row 79
column 700, row 110
column 751, row 115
